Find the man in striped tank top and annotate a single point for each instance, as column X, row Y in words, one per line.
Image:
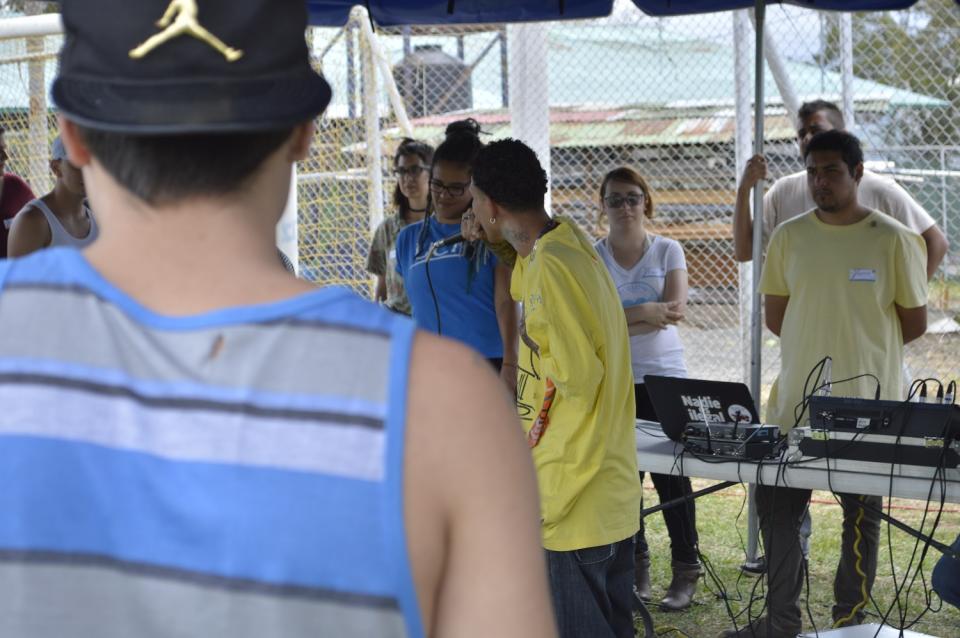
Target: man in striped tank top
column 196, row 443
column 59, row 218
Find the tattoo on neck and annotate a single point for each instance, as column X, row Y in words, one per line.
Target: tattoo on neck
column 517, row 236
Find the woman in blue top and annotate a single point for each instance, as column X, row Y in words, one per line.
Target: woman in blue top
column 463, row 292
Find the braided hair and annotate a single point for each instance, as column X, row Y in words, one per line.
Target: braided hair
column 460, row 146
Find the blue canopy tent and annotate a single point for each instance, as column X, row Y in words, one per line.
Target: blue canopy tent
column 413, row 12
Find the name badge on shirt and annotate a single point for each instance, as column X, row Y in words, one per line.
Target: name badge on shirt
column 863, row 274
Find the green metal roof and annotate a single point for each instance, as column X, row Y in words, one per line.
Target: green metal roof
column 639, row 65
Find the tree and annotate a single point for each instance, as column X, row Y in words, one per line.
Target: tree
column 916, row 49
column 21, row 6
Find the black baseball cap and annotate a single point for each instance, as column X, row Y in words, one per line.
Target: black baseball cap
column 187, row 66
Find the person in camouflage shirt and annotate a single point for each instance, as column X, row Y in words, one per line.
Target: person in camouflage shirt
column 411, row 196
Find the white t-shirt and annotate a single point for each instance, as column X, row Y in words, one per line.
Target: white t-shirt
column 658, row 352
column 790, row 197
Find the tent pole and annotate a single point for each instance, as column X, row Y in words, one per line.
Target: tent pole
column 758, row 102
column 370, row 93
column 846, row 67
column 742, row 151
column 756, row 323
column 528, row 72
column 780, row 75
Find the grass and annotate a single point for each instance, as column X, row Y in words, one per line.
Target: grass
column 721, row 521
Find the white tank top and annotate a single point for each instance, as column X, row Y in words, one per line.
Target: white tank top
column 59, row 236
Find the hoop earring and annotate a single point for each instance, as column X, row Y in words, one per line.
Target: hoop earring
column 493, row 220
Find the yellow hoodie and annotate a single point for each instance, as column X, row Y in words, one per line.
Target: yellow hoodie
column 575, row 334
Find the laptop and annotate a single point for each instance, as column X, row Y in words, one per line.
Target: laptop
column 678, row 401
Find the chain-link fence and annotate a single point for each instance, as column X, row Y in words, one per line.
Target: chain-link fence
column 27, row 67
column 661, row 95
column 671, row 97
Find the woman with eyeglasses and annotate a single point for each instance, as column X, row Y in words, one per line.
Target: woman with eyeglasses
column 650, row 273
column 463, row 291
column 411, row 167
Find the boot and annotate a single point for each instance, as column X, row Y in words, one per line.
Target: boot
column 682, row 587
column 641, row 578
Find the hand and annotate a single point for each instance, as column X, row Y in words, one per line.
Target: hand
column 663, row 314
column 470, row 228
column 508, row 374
column 755, row 170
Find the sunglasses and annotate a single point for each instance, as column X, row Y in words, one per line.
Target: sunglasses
column 616, row 201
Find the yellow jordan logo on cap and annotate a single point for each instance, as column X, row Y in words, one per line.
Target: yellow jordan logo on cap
column 185, row 23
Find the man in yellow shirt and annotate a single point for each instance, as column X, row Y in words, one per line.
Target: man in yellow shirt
column 574, row 394
column 846, row 282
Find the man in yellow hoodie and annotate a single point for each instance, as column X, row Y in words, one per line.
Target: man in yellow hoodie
column 574, row 394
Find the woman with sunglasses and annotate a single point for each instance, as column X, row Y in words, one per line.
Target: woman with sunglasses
column 650, row 273
column 411, row 166
column 463, row 291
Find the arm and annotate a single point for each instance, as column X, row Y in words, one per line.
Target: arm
column 755, row 170
column 508, row 321
column 380, row 289
column 377, row 262
column 937, row 246
column 913, row 322
column 471, row 230
column 656, row 315
column 775, row 307
column 30, row 232
column 888, row 196
column 910, row 292
column 472, row 517
column 168, row 15
column 675, row 288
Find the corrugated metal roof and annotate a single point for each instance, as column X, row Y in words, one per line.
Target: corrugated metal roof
column 616, row 127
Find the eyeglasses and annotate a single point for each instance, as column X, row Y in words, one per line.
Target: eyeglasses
column 453, row 189
column 409, row 171
column 616, row 201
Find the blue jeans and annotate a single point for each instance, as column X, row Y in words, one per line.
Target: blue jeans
column 592, row 590
column 946, row 577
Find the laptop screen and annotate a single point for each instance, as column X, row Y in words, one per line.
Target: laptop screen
column 679, row 401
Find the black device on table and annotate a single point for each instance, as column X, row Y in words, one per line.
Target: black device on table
column 716, row 418
column 883, row 431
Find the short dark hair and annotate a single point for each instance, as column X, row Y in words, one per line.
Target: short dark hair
column 168, row 168
column 461, row 144
column 845, row 143
column 510, row 174
column 833, row 112
column 409, row 147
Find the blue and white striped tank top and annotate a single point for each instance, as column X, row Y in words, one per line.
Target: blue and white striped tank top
column 236, row 473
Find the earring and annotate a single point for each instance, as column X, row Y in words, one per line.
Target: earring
column 493, row 220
